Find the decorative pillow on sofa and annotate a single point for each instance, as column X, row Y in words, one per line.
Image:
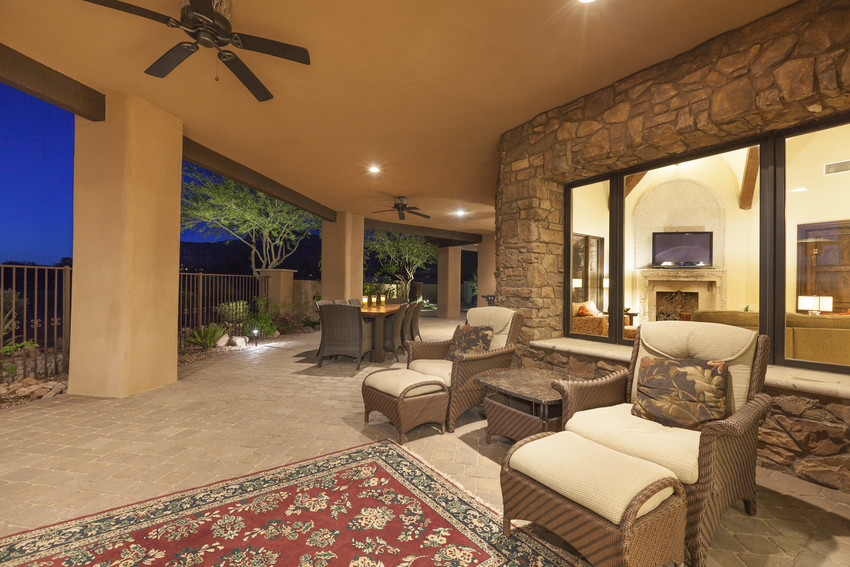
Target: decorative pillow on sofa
column 589, row 307
column 583, row 311
column 469, row 339
column 681, row 392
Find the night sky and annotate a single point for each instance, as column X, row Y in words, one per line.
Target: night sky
column 36, row 179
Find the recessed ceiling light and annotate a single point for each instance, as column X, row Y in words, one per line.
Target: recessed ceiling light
column 799, row 189
column 374, row 169
column 585, row 1
column 460, row 212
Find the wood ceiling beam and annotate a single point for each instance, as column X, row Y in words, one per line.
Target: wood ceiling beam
column 28, row 75
column 226, row 167
column 442, row 237
column 748, row 182
column 631, row 182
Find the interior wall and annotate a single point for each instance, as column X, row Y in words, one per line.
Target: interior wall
column 737, row 251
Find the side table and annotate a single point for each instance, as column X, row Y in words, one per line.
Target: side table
column 536, row 406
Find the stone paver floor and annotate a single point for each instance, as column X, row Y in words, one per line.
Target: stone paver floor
column 71, row 456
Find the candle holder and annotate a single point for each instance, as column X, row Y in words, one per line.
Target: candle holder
column 365, row 301
column 375, row 300
column 383, row 299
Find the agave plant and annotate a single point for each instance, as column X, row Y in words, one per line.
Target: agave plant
column 206, row 337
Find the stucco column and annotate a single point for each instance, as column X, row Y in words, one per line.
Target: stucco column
column 124, row 300
column 279, row 287
column 342, row 257
column 486, row 268
column 448, row 281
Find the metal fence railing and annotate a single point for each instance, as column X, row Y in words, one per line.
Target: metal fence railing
column 35, row 305
column 201, row 296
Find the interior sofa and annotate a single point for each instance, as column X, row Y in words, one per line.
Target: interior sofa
column 821, row 338
column 590, row 321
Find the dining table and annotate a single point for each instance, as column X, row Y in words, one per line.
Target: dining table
column 378, row 314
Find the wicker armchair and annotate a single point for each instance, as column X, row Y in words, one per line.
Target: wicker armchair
column 393, row 341
column 716, row 464
column 464, row 391
column 344, row 332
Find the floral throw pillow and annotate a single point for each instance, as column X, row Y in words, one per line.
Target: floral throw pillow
column 469, row 339
column 681, row 392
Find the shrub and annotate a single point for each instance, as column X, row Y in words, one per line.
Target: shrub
column 233, row 311
column 287, row 324
column 6, row 351
column 262, row 318
column 206, row 337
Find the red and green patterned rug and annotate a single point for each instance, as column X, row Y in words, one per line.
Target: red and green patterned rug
column 375, row 505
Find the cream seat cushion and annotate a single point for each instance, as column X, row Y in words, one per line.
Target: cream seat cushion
column 497, row 318
column 393, row 382
column 589, row 474
column 673, row 448
column 706, row 341
column 433, row 367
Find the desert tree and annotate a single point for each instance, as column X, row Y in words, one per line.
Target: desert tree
column 214, row 205
column 400, row 255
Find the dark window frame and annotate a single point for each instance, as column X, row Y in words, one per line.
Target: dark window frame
column 772, row 230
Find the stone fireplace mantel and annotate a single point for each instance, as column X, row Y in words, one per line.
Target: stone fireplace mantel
column 710, row 284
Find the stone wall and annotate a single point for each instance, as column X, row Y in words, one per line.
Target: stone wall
column 577, row 365
column 787, row 68
column 809, row 437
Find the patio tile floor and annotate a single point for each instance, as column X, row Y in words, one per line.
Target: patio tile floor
column 71, row 455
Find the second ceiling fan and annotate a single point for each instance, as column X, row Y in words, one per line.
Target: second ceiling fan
column 400, row 206
column 207, row 22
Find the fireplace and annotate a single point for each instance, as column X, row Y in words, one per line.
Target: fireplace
column 675, row 305
column 709, row 287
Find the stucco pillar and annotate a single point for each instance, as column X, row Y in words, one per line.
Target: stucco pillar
column 127, row 173
column 448, row 281
column 342, row 257
column 280, row 288
column 486, row 268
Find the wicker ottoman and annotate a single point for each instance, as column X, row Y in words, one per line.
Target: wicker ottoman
column 614, row 509
column 408, row 398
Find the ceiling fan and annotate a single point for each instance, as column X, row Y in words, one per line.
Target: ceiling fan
column 207, row 22
column 401, row 207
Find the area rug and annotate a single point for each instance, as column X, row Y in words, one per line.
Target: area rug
column 374, row 505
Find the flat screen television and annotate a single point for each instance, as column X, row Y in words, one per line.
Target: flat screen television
column 682, row 249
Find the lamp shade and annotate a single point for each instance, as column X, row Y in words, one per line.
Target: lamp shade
column 578, row 282
column 825, row 303
column 807, row 303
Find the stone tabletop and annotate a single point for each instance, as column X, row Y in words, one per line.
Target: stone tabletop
column 529, row 384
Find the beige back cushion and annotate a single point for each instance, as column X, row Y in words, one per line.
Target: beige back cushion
column 497, row 318
column 707, row 341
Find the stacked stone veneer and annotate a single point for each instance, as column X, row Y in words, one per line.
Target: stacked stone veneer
column 787, row 68
column 809, row 437
column 576, row 365
column 790, row 67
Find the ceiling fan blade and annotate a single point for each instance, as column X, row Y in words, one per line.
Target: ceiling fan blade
column 400, row 214
column 271, row 47
column 419, row 214
column 203, row 8
column 135, row 10
column 387, row 211
column 171, row 59
column 244, row 74
column 412, row 208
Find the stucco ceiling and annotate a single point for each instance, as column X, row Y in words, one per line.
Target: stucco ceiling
column 422, row 89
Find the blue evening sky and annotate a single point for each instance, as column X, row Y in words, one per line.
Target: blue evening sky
column 36, row 179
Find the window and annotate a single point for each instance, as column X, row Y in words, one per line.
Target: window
column 588, row 276
column 817, row 246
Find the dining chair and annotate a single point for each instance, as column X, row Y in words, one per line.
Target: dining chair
column 344, row 332
column 393, row 340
